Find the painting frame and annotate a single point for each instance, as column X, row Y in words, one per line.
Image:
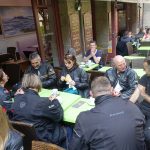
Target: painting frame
column 16, row 20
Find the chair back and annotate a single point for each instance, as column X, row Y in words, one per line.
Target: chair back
column 130, row 48
column 104, row 58
column 12, row 52
column 38, row 145
column 28, row 130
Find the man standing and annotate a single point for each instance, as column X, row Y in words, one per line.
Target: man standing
column 113, row 124
column 44, row 70
column 93, row 54
column 122, row 78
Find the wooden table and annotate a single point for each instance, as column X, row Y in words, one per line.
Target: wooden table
column 71, row 114
column 15, row 69
column 104, row 69
column 140, row 72
column 67, row 98
column 132, row 58
column 144, row 48
column 92, row 66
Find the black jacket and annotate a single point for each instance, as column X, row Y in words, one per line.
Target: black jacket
column 14, row 141
column 128, row 80
column 5, row 98
column 44, row 114
column 46, row 74
column 113, row 124
column 80, row 77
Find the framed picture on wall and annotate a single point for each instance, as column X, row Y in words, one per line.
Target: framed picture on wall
column 16, row 20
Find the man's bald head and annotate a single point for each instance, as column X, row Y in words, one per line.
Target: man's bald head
column 120, row 63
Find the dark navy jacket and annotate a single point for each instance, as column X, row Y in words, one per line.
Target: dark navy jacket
column 113, row 124
column 5, row 98
column 80, row 77
column 128, row 80
column 44, row 114
column 46, row 74
column 14, row 142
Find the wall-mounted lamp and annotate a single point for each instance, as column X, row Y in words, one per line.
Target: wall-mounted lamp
column 77, row 5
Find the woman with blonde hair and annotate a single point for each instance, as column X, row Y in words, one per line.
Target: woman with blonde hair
column 44, row 113
column 10, row 139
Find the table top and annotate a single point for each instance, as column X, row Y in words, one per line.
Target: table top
column 104, row 69
column 66, row 98
column 144, row 48
column 71, row 114
column 15, row 62
column 134, row 57
column 140, row 72
column 90, row 67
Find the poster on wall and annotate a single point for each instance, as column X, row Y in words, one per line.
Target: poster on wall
column 16, row 20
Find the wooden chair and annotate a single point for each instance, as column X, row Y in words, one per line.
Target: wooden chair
column 28, row 130
column 38, row 145
column 130, row 48
column 137, row 63
column 104, row 58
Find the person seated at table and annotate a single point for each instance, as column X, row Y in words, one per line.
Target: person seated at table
column 146, row 35
column 143, row 89
column 121, row 48
column 5, row 95
column 10, row 139
column 44, row 113
column 123, row 79
column 73, row 77
column 93, row 54
column 112, row 124
column 43, row 69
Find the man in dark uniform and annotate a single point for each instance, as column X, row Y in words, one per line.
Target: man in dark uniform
column 44, row 70
column 143, row 89
column 113, row 124
column 123, row 79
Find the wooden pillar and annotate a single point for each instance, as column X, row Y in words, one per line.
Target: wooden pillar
column 39, row 37
column 114, row 27
column 57, row 27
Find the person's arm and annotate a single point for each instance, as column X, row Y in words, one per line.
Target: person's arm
column 84, row 80
column 51, row 109
column 6, row 100
column 51, row 77
column 86, row 58
column 134, row 97
column 143, row 93
column 96, row 59
column 132, row 84
column 78, row 141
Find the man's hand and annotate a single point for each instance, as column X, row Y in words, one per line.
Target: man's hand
column 92, row 53
column 115, row 93
column 52, row 97
column 19, row 91
column 62, row 78
column 72, row 83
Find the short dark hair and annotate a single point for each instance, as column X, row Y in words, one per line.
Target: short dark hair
column 33, row 56
column 100, row 84
column 92, row 41
column 69, row 57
